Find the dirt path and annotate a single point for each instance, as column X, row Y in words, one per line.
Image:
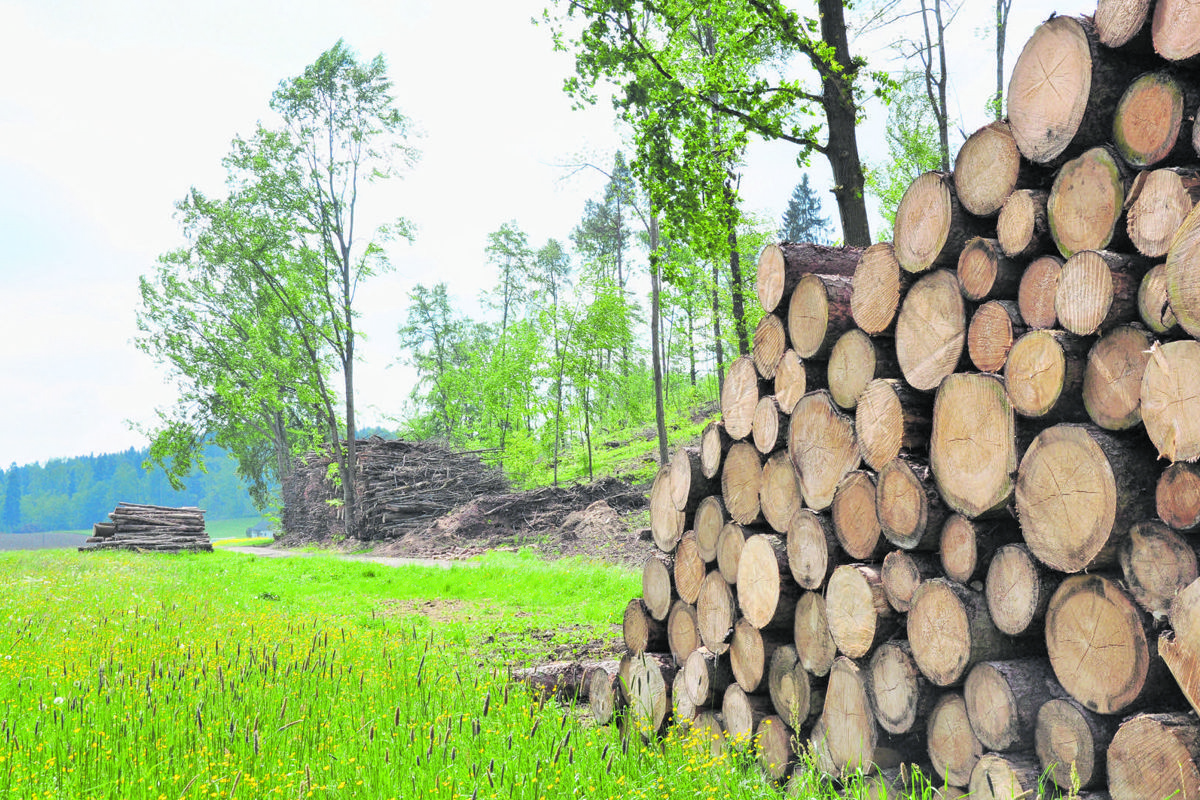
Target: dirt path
column 387, row 561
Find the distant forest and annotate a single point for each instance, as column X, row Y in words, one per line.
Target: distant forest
column 72, row 493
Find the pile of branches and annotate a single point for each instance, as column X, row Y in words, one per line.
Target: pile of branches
column 402, row 487
column 143, row 527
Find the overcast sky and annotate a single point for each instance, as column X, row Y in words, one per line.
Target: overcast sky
column 111, row 109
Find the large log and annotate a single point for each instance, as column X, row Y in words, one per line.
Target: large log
column 994, row 327
column 855, row 517
column 1119, row 22
column 782, row 265
column 1078, row 491
column 822, row 447
column 953, row 747
column 1039, row 288
column 1071, row 742
column 1097, row 290
column 1171, row 400
column 901, row 696
column 1112, row 379
column 1063, row 88
column 878, row 285
column 779, row 495
column 1148, row 120
column 859, row 615
column 973, row 447
column 812, row 548
column 1177, row 496
column 1003, row 698
column 568, row 681
column 857, row 360
column 1023, row 227
column 1157, row 564
column 818, row 313
column 988, row 168
column 1184, row 664
column 891, row 416
column 1044, row 375
column 711, row 517
column 931, row 226
column 950, row 631
column 766, row 593
column 716, row 613
column 911, row 512
column 683, row 710
column 739, row 397
column 1159, row 202
column 814, row 645
column 741, row 483
column 931, row 331
column 1018, row 590
column 1155, row 755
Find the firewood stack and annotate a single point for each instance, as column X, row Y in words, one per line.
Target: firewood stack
column 947, row 517
column 142, row 527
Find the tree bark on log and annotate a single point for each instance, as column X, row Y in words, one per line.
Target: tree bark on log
column 741, row 483
column 1157, row 564
column 779, row 496
column 994, row 327
column 640, row 630
column 1171, row 400
column 1039, row 288
column 1003, row 698
column 855, row 517
column 891, row 417
column 1158, row 203
column 782, row 265
column 931, row 331
column 857, row 360
column 739, row 397
column 911, row 512
column 1097, row 290
column 568, row 681
column 859, row 615
column 1112, row 379
column 1044, row 376
column 931, row 226
column 818, row 313
column 903, row 573
column 878, row 284
column 1023, row 227
column 1072, row 742
column 901, row 696
column 950, row 631
column 1018, row 590
column 814, row 645
column 1155, row 755
column 715, row 613
column 1154, row 303
column 766, row 593
column 967, row 545
column 822, row 446
column 953, row 747
column 973, row 446
column 1078, row 491
column 812, row 547
column 1177, row 496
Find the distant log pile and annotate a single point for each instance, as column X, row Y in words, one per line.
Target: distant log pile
column 953, row 543
column 158, row 528
column 402, row 487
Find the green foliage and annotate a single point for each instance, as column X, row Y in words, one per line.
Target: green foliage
column 802, row 220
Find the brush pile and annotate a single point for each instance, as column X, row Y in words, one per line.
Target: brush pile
column 948, row 516
column 157, row 528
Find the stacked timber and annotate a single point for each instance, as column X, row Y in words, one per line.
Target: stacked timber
column 948, row 517
column 133, row 526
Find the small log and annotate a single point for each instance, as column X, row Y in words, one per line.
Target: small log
column 1158, row 203
column 605, row 698
column 1014, row 776
column 791, row 381
column 1023, row 227
column 781, row 266
column 988, row 168
column 706, row 676
column 1155, row 755
column 743, row 712
column 822, row 446
column 711, row 517
column 850, row 727
column 1173, row 30
column 1044, row 376
column 814, row 644
column 568, row 681
column 1157, row 564
column 911, row 512
column 770, row 426
column 683, row 710
column 1120, row 22
column 688, row 482
column 973, row 447
column 878, row 285
column 641, row 631
column 1003, row 698
column 931, row 226
column 931, row 331
column 902, row 574
column 683, row 632
column 791, row 688
column 770, row 340
column 667, row 522
column 967, row 545
column 739, row 397
column 708, row 728
column 1078, row 491
column 1112, row 379
column 857, row 360
column 994, row 327
column 953, row 747
column 1071, row 742
column 1177, row 496
column 1183, row 279
column 1154, row 302
column 750, row 655
column 689, row 569
column 1185, row 616
column 1098, row 290
column 1018, row 590
column 818, row 313
column 858, row 611
column 1149, row 119
column 741, row 483
column 714, row 444
column 891, row 417
column 649, row 699
column 766, row 593
column 812, row 548
column 901, row 696
column 779, row 496
column 730, row 543
column 776, row 755
column 855, row 518
column 985, row 273
column 1171, row 400
column 658, row 591
column 950, row 631
column 1039, row 288
column 715, row 613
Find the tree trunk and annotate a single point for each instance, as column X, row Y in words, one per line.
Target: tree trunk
column 791, row 688
column 931, row 226
column 818, row 313
column 770, row 340
column 739, row 397
column 985, row 273
column 1018, row 590
column 706, row 676
column 1097, row 290
column 1112, row 380
column 812, row 548
column 1157, row 564
column 814, row 645
column 710, row 519
column 1023, row 227
column 856, row 519
column 950, row 631
column 973, row 447
column 766, row 593
column 994, row 327
column 900, row 695
column 1158, row 204
column 822, row 446
column 1044, row 376
column 657, row 590
column 714, row 444
column 792, row 381
column 902, row 574
column 988, row 168
column 858, row 611
column 641, row 631
column 683, row 633
column 855, row 361
column 780, row 492
column 690, row 568
column 891, row 417
column 718, row 347
column 1078, row 491
column 1173, row 29
column 655, row 343
column 1154, row 303
column 1171, row 400
column 715, row 613
column 782, row 265
column 1177, row 496
column 911, row 512
column 1003, row 698
column 931, row 331
column 1063, row 89
column 1071, row 742
column 769, row 429
column 953, row 747
column 750, row 655
column 741, row 483
column 667, row 522
column 1155, row 755
column 1039, row 288
column 878, row 285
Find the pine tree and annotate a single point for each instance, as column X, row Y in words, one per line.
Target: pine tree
column 12, row 501
column 802, row 222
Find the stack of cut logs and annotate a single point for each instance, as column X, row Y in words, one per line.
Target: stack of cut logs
column 947, row 517
column 142, row 527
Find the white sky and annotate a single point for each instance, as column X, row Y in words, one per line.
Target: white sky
column 111, row 109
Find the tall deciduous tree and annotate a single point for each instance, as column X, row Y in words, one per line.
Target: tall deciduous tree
column 802, row 220
column 913, row 148
column 997, row 104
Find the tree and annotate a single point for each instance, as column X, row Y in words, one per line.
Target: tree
column 433, row 338
column 289, row 229
column 996, row 105
column 802, row 221
column 12, row 499
column 913, row 148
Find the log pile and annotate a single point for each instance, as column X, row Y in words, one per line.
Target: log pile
column 157, row 528
column 983, row 433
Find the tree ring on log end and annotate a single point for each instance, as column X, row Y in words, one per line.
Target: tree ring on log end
column 1042, row 124
column 972, row 449
column 939, row 633
column 922, row 223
